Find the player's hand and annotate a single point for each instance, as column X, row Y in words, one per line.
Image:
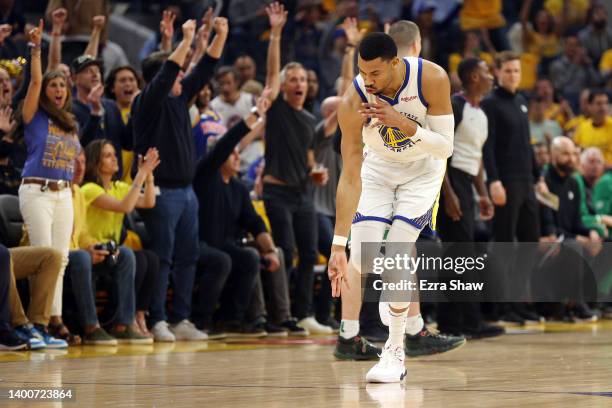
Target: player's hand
column 337, row 270
column 486, row 208
column 452, row 206
column 381, row 111
column 498, row 193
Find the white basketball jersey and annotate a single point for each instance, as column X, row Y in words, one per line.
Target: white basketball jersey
column 392, row 144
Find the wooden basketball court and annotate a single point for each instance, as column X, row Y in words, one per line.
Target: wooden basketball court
column 553, row 365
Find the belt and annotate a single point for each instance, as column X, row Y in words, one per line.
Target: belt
column 46, row 184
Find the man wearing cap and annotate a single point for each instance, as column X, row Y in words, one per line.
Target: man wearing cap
column 98, row 117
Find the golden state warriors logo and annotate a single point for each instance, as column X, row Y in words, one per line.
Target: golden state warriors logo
column 394, row 139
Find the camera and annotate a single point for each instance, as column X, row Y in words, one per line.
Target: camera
column 111, row 247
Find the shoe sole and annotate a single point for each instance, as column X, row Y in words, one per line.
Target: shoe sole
column 280, row 334
column 217, row 336
column 347, row 357
column 246, row 336
column 437, row 351
column 106, row 343
column 56, row 346
column 135, row 341
column 4, row 347
column 388, row 381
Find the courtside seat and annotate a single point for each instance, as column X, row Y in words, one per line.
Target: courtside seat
column 11, row 221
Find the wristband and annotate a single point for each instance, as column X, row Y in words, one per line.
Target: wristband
column 258, row 121
column 339, row 240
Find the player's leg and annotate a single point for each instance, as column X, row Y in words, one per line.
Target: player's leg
column 373, row 217
column 400, row 241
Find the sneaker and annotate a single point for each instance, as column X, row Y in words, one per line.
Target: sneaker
column 511, row 318
column 331, row 322
column 99, row 337
column 238, row 330
column 25, row 333
column 186, row 331
column 529, row 316
column 426, row 343
column 214, row 334
column 375, row 333
column 130, row 336
column 274, row 330
column 10, row 341
column 583, row 312
column 356, row 348
column 293, row 329
column 51, row 342
column 390, row 368
column 162, row 333
column 314, row 327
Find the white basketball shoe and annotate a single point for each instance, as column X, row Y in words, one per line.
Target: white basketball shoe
column 390, row 368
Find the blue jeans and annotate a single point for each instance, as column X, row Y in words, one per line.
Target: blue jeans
column 81, row 271
column 173, row 227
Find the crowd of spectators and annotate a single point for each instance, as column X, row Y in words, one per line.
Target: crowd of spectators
column 210, row 169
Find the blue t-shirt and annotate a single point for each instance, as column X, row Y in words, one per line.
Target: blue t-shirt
column 51, row 150
column 210, row 125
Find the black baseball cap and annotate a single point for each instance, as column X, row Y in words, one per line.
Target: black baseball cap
column 82, row 62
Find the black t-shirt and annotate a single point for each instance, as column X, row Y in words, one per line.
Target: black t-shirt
column 289, row 136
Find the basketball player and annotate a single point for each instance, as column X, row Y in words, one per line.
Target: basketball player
column 400, row 109
column 419, row 341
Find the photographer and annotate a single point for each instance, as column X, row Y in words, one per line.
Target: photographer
column 108, row 200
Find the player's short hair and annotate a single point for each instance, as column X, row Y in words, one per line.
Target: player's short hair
column 288, row 67
column 594, row 93
column 466, row 68
column 377, row 45
column 404, row 33
column 505, row 56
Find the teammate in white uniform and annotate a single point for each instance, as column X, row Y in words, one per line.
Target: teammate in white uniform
column 401, row 110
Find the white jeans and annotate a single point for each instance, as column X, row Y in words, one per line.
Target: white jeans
column 48, row 217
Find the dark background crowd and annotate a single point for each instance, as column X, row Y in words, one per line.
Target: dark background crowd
column 175, row 166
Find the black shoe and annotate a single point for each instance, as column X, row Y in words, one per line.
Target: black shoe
column 235, row 329
column 331, row 322
column 426, row 343
column 484, row 330
column 512, row 318
column 524, row 312
column 293, row 329
column 213, row 333
column 583, row 312
column 9, row 341
column 356, row 348
column 274, row 330
column 375, row 334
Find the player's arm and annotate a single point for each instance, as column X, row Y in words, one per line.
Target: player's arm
column 349, row 185
column 438, row 139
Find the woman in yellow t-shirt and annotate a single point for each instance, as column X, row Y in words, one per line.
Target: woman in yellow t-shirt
column 108, row 200
column 122, row 85
column 542, row 38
